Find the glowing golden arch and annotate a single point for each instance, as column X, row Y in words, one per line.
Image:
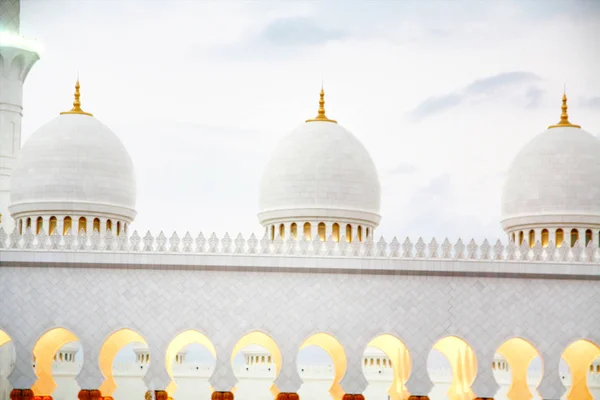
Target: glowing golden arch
column 463, row 364
column 113, row 344
column 338, row 356
column 177, row 344
column 397, row 352
column 44, row 350
column 4, row 338
column 518, row 353
column 263, row 340
column 579, row 356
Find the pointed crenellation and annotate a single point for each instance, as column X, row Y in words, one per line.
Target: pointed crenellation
column 407, row 247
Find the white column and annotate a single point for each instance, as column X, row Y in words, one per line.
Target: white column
column 18, row 58
column 328, row 229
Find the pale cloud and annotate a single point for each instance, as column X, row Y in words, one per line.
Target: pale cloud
column 299, row 31
column 481, row 88
column 590, row 102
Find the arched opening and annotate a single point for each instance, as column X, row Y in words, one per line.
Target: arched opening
column 63, row 342
column 531, row 238
column 256, row 361
column 82, row 225
column 322, row 231
column 359, row 233
column 560, row 237
column 282, row 231
column 21, row 227
column 335, row 232
column 307, row 231
column 513, row 237
column 121, row 349
column 580, row 358
column 321, row 355
column 517, row 369
column 7, row 364
column 588, row 236
column 39, row 224
column 386, row 365
column 349, row 233
column 453, row 367
column 28, row 225
column 108, row 225
column 191, row 359
column 52, row 225
column 574, row 236
column 272, row 235
column 67, row 225
column 545, row 237
column 118, row 228
column 294, row 230
column 520, row 238
column 96, row 225
column 367, row 233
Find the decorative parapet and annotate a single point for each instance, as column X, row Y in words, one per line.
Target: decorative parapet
column 150, row 244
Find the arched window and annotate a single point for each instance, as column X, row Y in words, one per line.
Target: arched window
column 52, row 226
column 545, row 237
column 336, row 232
column 367, row 236
column 520, row 238
column 67, row 223
column 531, row 238
column 574, row 236
column 282, row 231
column 294, row 230
column 322, row 231
column 28, row 223
column 118, row 228
column 359, row 233
column 108, row 225
column 349, row 233
column 307, row 230
column 96, row 225
column 560, row 236
column 39, row 224
column 272, row 236
column 588, row 236
column 21, row 227
column 82, row 225
column 513, row 237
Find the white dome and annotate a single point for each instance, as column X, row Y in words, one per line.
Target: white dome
column 74, row 164
column 320, row 170
column 554, row 180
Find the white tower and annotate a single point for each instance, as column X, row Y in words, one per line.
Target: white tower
column 17, row 56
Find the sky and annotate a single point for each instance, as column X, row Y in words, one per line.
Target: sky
column 442, row 94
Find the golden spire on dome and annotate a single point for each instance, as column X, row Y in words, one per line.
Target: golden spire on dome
column 76, row 103
column 321, row 117
column 564, row 117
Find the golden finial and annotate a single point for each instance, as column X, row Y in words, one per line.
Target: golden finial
column 76, row 103
column 564, row 117
column 321, row 117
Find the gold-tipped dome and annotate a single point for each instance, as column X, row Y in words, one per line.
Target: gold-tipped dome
column 321, row 117
column 564, row 116
column 76, row 103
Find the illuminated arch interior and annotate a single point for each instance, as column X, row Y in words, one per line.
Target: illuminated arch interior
column 338, row 356
column 43, row 352
column 179, row 343
column 519, row 354
column 579, row 356
column 263, row 340
column 113, row 344
column 463, row 365
column 397, row 353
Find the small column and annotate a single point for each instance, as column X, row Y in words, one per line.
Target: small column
column 328, row 229
column 287, row 396
column 220, row 396
column 91, row 394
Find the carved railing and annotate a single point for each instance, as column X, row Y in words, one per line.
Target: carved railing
column 302, row 246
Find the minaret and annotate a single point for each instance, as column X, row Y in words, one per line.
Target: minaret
column 17, row 56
